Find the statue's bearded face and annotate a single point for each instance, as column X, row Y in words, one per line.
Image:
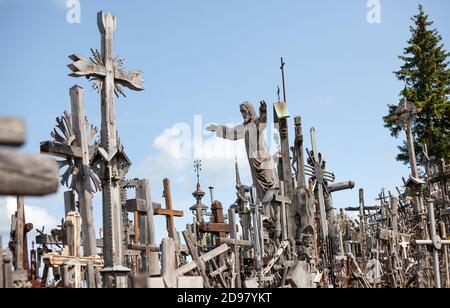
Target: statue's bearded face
column 245, row 114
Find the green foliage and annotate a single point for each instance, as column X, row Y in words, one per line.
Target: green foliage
column 427, row 84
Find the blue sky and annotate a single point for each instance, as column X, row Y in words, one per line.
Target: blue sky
column 206, row 57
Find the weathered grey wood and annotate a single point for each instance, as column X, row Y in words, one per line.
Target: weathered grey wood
column 27, row 174
column 90, row 271
column 190, row 282
column 73, row 233
column 12, row 131
column 142, row 207
column 194, row 254
column 84, row 190
column 63, row 151
column 229, row 241
column 20, row 232
column 233, row 236
column 109, row 73
column 204, row 258
column 168, row 261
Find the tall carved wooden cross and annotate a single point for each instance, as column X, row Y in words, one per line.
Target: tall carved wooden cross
column 109, row 77
column 317, row 169
column 71, row 142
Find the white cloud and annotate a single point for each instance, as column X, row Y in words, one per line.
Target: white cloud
column 39, row 217
column 62, row 4
column 177, row 151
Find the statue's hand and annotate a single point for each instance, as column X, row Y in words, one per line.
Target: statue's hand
column 211, row 128
column 263, row 107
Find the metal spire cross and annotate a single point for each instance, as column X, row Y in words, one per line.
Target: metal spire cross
column 197, row 168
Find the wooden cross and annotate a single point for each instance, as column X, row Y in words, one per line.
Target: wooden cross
column 69, row 259
column 317, row 169
column 143, row 207
column 283, row 201
column 404, row 116
column 72, row 143
column 217, row 226
column 169, row 212
column 436, row 242
column 109, row 77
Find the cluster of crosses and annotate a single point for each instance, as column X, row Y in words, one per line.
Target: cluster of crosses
column 293, row 238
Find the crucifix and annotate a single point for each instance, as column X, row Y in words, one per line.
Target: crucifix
column 436, row 242
column 72, row 140
column 169, row 212
column 109, row 77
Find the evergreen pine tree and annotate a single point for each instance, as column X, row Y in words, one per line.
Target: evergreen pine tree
column 427, row 84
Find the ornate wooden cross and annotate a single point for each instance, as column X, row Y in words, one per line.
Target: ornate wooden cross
column 109, row 77
column 72, row 138
column 317, row 170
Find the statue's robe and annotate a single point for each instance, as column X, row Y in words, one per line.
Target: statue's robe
column 261, row 162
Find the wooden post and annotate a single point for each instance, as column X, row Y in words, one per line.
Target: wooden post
column 69, row 202
column 236, row 253
column 84, row 190
column 20, row 234
column 73, row 233
column 168, row 261
column 7, row 272
column 445, row 255
column 90, row 271
column 147, row 228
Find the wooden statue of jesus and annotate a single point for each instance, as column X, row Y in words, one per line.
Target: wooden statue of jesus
column 261, row 162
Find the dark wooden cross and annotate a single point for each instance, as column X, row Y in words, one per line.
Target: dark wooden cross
column 217, row 226
column 169, row 212
column 109, row 77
